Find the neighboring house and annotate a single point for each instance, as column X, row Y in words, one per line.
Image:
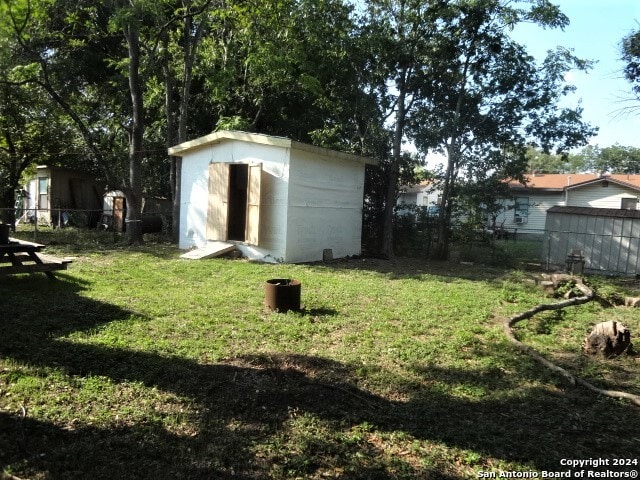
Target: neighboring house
column 422, row 195
column 56, row 194
column 526, row 211
column 273, row 198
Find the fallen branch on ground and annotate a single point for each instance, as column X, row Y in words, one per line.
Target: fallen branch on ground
column 588, row 296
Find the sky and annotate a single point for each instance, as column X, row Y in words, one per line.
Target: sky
column 595, row 31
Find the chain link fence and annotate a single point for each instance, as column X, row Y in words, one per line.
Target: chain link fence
column 37, row 224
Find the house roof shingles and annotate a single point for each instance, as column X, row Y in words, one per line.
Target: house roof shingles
column 562, row 181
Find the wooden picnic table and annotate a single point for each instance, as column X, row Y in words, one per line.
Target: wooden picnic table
column 20, row 256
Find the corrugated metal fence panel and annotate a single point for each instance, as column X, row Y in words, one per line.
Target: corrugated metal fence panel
column 634, row 258
column 595, row 253
column 610, row 244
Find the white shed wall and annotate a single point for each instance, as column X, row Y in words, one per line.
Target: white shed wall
column 273, row 208
column 325, row 207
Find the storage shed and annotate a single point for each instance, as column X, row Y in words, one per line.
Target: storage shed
column 608, row 239
column 55, row 193
column 276, row 199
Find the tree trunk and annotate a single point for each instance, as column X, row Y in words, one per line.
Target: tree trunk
column 389, row 204
column 7, row 202
column 16, row 166
column 136, row 140
column 394, row 171
column 190, row 45
column 172, row 139
column 446, row 206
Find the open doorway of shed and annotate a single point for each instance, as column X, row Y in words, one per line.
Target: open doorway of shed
column 238, row 182
column 234, row 202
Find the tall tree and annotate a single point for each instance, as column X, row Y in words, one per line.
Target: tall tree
column 128, row 19
column 618, row 159
column 89, row 58
column 403, row 31
column 483, row 99
column 32, row 129
column 180, row 34
column 630, row 50
column 31, row 132
column 541, row 162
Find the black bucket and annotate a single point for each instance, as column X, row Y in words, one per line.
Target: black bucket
column 5, row 228
column 282, row 294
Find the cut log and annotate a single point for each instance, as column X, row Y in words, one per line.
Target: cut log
column 632, row 302
column 607, row 339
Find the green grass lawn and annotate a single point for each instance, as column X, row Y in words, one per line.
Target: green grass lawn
column 137, row 364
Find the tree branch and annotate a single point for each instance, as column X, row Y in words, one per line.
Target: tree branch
column 588, row 296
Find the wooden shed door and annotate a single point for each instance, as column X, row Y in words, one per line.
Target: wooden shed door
column 218, row 208
column 252, row 229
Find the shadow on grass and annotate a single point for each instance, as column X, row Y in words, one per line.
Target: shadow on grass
column 245, row 408
column 401, row 268
column 484, row 263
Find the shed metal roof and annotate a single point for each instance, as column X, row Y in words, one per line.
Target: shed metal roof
column 596, row 212
column 224, row 135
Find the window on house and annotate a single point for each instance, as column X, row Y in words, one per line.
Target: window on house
column 521, row 210
column 43, row 193
column 629, row 204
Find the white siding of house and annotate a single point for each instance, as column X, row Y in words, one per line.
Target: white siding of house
column 428, row 198
column 597, row 196
column 421, row 198
column 408, row 198
column 538, row 206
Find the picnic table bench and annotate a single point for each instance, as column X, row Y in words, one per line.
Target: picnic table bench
column 20, row 256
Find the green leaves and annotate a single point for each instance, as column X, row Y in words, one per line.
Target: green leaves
column 23, row 73
column 630, row 49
